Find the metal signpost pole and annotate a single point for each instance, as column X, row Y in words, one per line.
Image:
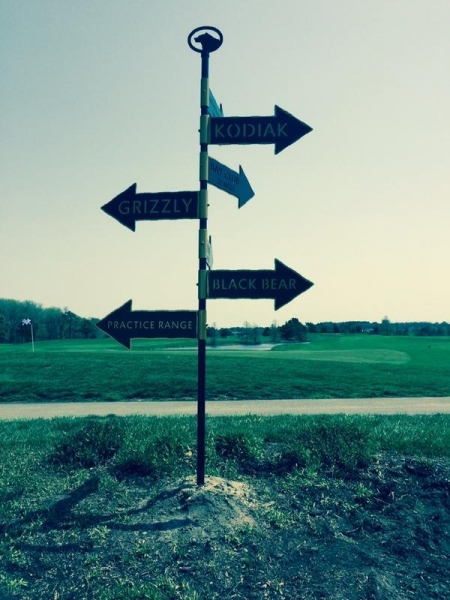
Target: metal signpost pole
column 202, row 267
column 282, row 284
column 208, row 44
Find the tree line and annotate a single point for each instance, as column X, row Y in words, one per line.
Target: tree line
column 295, row 331
column 384, row 327
column 19, row 320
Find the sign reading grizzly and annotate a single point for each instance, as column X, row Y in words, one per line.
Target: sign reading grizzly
column 129, row 206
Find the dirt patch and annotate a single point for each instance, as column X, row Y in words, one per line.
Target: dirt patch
column 382, row 533
column 208, row 511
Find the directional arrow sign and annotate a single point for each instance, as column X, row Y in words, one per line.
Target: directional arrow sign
column 129, row 207
column 230, row 181
column 123, row 324
column 282, row 129
column 283, row 284
column 214, row 109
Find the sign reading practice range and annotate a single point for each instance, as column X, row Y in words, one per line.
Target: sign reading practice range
column 150, row 325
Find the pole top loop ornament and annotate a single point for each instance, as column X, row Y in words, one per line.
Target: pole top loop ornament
column 209, row 43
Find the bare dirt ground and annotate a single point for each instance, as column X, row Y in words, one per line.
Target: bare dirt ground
column 382, row 533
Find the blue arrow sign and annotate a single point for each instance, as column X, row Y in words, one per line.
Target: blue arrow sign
column 214, row 110
column 281, row 129
column 230, row 181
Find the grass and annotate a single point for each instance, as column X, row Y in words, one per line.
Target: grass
column 70, row 487
column 330, row 366
column 77, row 495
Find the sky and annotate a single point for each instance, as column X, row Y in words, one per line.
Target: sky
column 99, row 94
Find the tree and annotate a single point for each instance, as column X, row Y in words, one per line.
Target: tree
column 385, row 327
column 13, row 313
column 4, row 330
column 274, row 333
column 87, row 329
column 256, row 335
column 293, row 330
column 53, row 323
column 211, row 332
column 244, row 333
column 69, row 320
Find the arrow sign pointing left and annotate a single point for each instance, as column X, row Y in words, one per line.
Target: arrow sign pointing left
column 283, row 284
column 281, row 129
column 129, row 206
column 125, row 324
column 230, row 181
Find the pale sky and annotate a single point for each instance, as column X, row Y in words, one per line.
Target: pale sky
column 99, row 94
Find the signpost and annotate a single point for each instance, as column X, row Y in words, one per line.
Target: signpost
column 282, row 284
column 124, row 324
column 230, row 181
column 203, row 43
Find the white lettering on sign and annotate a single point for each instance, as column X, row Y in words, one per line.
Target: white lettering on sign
column 155, row 206
column 130, row 324
column 224, row 175
column 216, row 168
column 135, row 325
column 175, row 325
column 249, row 130
column 243, row 283
column 278, row 284
column 280, row 130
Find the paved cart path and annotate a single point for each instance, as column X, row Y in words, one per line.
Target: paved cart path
column 386, row 406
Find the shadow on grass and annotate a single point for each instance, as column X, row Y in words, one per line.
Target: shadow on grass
column 61, row 510
column 60, row 516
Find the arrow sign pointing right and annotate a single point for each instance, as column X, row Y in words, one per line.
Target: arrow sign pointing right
column 230, row 181
column 125, row 324
column 129, row 206
column 283, row 284
column 281, row 129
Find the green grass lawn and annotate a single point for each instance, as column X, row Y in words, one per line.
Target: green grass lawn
column 329, row 366
column 84, row 502
column 84, row 505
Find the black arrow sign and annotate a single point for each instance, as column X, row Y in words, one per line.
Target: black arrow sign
column 283, row 284
column 125, row 324
column 129, row 206
column 282, row 129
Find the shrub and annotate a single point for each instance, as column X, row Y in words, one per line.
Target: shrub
column 242, row 448
column 91, row 444
column 335, row 445
column 165, row 453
